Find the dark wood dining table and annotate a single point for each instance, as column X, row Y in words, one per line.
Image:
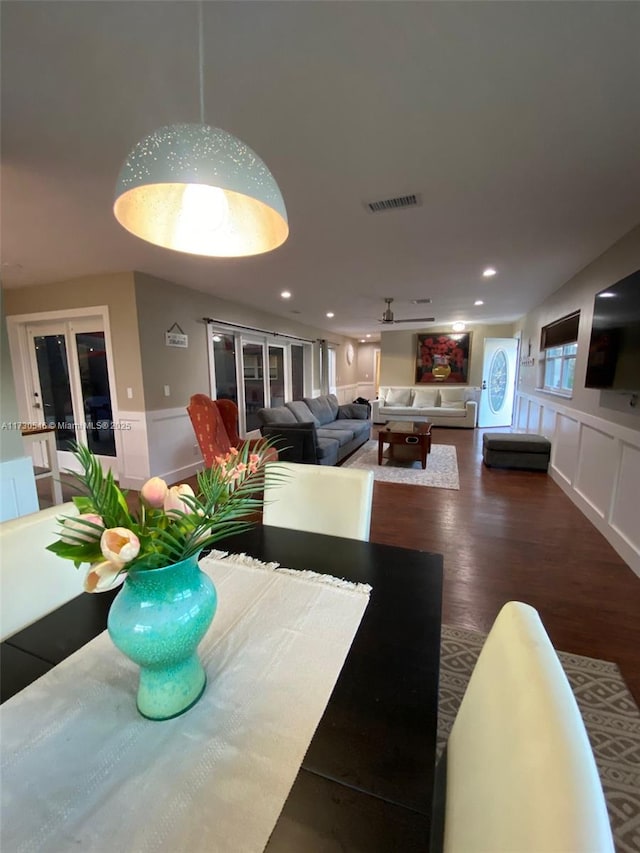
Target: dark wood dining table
column 366, row 782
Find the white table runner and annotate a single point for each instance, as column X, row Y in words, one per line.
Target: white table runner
column 82, row 770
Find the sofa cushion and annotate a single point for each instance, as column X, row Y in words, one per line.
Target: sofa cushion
column 399, row 397
column 342, row 436
column 302, row 412
column 455, row 404
column 357, row 427
column 452, row 395
column 425, row 397
column 322, row 408
column 391, row 411
column 277, row 415
column 327, row 450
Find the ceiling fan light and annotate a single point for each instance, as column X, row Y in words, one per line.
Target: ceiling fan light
column 200, row 190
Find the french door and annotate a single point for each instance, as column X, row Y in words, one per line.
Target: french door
column 71, row 386
column 256, row 371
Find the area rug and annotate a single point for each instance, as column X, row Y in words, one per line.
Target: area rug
column 441, row 471
column 610, row 714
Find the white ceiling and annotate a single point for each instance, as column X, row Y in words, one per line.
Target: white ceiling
column 517, row 123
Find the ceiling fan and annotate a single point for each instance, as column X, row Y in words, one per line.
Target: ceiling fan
column 388, row 317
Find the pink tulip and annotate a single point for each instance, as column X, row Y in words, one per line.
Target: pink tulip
column 119, row 545
column 173, row 500
column 74, row 532
column 103, row 576
column 154, row 491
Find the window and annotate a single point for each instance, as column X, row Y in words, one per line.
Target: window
column 559, row 350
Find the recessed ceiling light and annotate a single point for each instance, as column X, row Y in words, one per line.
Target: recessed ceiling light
column 285, row 294
column 458, row 327
column 362, row 341
column 368, row 336
column 606, row 295
column 330, row 314
column 489, row 272
column 478, row 302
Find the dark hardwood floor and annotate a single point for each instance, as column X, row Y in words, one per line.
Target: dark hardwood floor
column 514, row 535
column 509, row 535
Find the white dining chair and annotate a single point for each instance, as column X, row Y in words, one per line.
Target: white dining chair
column 520, row 772
column 34, row 581
column 319, row 499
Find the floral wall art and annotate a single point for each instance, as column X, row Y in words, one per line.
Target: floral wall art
column 442, row 358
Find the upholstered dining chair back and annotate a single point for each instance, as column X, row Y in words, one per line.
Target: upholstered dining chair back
column 319, row 499
column 33, row 581
column 520, row 773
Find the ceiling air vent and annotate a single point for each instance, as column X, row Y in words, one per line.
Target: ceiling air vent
column 393, row 203
column 426, row 301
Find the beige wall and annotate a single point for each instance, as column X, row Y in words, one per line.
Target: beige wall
column 11, row 446
column 161, row 303
column 578, row 293
column 116, row 291
column 399, row 351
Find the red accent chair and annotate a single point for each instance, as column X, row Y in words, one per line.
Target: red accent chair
column 215, row 423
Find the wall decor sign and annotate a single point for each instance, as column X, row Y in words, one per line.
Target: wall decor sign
column 443, row 359
column 176, row 339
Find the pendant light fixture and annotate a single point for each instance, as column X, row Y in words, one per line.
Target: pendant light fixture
column 198, row 189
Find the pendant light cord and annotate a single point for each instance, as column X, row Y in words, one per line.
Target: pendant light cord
column 201, row 59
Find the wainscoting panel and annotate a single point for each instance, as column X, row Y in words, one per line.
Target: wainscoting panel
column 133, row 452
column 564, row 447
column 597, row 469
column 173, row 448
column 624, row 512
column 596, row 463
column 346, row 393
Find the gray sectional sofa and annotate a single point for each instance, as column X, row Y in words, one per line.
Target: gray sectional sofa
column 316, row 430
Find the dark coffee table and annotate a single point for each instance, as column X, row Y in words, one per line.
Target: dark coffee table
column 414, row 437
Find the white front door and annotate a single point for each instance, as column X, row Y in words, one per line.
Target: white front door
column 498, row 382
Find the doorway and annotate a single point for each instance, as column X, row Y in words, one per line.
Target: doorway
column 498, row 382
column 67, row 382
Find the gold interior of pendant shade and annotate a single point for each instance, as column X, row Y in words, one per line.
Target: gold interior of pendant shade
column 201, row 220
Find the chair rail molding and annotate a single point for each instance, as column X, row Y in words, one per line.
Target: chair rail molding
column 596, row 463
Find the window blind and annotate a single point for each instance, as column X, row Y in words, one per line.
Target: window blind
column 560, row 332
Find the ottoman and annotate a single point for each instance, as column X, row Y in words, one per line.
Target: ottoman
column 516, row 450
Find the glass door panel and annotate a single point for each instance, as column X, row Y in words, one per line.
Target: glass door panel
column 52, row 403
column 276, row 376
column 96, row 396
column 224, row 367
column 297, row 372
column 253, row 371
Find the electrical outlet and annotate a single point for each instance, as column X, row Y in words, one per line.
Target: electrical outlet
column 167, row 391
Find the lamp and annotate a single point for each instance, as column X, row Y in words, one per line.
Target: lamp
column 198, row 189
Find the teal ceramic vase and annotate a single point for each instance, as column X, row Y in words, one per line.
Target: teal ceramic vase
column 157, row 620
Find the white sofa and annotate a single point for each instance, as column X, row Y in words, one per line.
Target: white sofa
column 451, row 406
column 33, row 581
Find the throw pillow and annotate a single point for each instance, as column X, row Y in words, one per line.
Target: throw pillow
column 398, row 397
column 425, row 398
column 452, row 395
column 302, row 412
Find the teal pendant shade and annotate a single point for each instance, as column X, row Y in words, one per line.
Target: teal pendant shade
column 157, row 620
column 198, row 189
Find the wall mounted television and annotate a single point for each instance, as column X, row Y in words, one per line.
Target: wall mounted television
column 614, row 349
